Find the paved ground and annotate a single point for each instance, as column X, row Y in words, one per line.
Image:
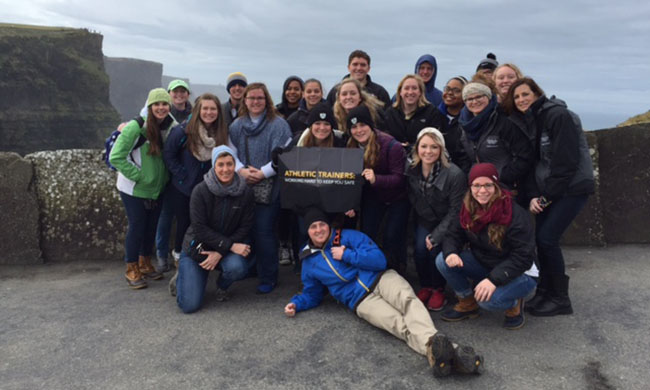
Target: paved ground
column 77, row 326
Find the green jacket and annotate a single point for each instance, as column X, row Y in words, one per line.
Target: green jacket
column 139, row 174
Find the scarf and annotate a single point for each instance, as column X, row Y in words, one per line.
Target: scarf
column 474, row 125
column 204, row 148
column 500, row 212
column 427, row 182
column 235, row 188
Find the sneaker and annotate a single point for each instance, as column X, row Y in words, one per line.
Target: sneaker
column 437, row 300
column 172, row 284
column 177, row 258
column 424, row 294
column 222, row 295
column 284, row 255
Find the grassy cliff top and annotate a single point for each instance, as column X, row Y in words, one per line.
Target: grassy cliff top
column 635, row 120
column 11, row 29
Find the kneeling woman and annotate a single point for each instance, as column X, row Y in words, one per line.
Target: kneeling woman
column 221, row 211
column 351, row 266
column 501, row 248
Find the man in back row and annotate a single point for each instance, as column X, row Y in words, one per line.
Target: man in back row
column 359, row 66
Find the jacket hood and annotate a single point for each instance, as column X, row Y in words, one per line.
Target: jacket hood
column 430, row 85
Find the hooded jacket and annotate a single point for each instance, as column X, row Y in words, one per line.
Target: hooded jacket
column 139, row 174
column 563, row 164
column 349, row 280
column 517, row 249
column 221, row 215
column 433, row 94
column 283, row 108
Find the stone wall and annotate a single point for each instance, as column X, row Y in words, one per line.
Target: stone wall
column 65, row 204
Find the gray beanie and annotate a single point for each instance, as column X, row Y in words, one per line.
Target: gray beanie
column 476, row 88
column 434, row 132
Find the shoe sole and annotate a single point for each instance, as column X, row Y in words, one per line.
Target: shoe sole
column 437, row 308
column 157, row 277
column 467, row 361
column 135, row 286
column 442, row 351
column 564, row 311
column 468, row 316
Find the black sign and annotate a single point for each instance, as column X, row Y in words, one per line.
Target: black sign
column 327, row 178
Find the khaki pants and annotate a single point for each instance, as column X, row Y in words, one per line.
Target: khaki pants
column 393, row 306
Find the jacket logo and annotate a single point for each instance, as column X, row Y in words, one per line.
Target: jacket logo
column 322, row 115
column 354, row 121
column 423, row 120
column 492, row 141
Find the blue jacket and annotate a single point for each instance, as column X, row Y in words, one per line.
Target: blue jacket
column 186, row 170
column 433, row 94
column 348, row 280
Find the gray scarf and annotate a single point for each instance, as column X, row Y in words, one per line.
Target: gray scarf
column 235, row 188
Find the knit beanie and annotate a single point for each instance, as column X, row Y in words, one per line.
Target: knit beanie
column 434, row 132
column 476, row 88
column 312, row 215
column 217, row 150
column 490, row 62
column 178, row 83
column 158, row 95
column 483, row 170
column 322, row 112
column 360, row 114
column 236, row 78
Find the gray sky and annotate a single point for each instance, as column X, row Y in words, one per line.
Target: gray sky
column 592, row 54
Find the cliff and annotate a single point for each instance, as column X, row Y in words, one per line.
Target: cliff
column 56, row 89
column 131, row 80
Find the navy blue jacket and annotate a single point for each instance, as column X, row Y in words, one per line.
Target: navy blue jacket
column 186, row 171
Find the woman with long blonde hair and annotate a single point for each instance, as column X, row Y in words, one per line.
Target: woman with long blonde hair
column 501, row 242
column 350, row 94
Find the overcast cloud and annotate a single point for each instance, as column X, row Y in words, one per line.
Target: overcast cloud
column 593, row 54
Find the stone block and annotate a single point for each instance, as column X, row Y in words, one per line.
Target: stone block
column 82, row 217
column 19, row 236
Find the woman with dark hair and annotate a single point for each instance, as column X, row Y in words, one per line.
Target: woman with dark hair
column 291, row 95
column 499, row 234
column 436, row 188
column 490, row 137
column 452, row 103
column 141, row 178
column 350, row 94
column 221, row 210
column 187, row 155
column 256, row 133
column 311, row 97
column 384, row 193
column 558, row 190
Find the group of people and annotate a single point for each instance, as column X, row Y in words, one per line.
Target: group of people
column 493, row 170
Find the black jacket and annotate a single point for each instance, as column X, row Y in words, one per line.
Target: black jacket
column 563, row 164
column 406, row 130
column 505, row 145
column 219, row 221
column 439, row 206
column 227, row 112
column 373, row 88
column 516, row 255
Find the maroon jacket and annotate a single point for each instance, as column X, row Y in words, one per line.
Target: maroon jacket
column 390, row 179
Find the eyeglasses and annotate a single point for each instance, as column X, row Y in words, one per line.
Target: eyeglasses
column 475, row 99
column 256, row 98
column 487, row 186
column 453, row 91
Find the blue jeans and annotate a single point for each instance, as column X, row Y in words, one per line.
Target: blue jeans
column 504, row 297
column 394, row 234
column 550, row 225
column 425, row 261
column 265, row 243
column 142, row 215
column 192, row 279
column 164, row 225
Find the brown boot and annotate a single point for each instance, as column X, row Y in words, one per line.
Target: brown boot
column 148, row 271
column 515, row 316
column 465, row 308
column 134, row 276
